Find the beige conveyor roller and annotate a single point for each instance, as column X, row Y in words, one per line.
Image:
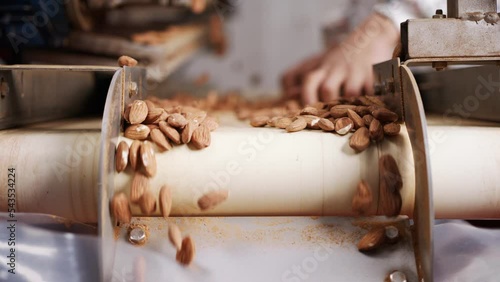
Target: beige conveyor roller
column 267, row 171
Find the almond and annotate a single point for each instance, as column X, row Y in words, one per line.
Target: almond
column 187, row 252
column 338, row 113
column 312, row 121
column 156, row 115
column 390, row 182
column 326, row 125
column 283, row 122
column 196, row 117
column 187, row 132
column 259, row 121
column 343, row 125
column 120, row 208
column 140, row 183
column 160, row 140
column 362, row 110
column 147, row 203
column 134, row 153
column 201, row 137
column 138, row 112
column 121, row 156
column 177, row 120
column 175, row 236
column 151, row 127
column 372, row 240
column 211, row 123
column 376, row 130
column 360, row 140
column 385, row 115
column 272, row 121
column 137, row 132
column 356, row 119
column 363, row 198
column 392, row 129
column 151, row 105
column 375, row 100
column 368, row 120
column 297, row 125
column 172, row 133
column 126, row 112
column 148, row 160
column 127, row 61
column 165, row 200
column 212, row 199
column 309, row 111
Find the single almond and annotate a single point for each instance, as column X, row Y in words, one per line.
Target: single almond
column 272, row 121
column 126, row 112
column 360, row 140
column 312, row 121
column 259, row 121
column 175, row 236
column 362, row 110
column 140, row 183
column 356, row 119
column 187, row 252
column 297, row 125
column 171, row 133
column 392, row 129
column 201, row 137
column 148, row 159
column 385, row 115
column 196, row 117
column 154, row 115
column 151, row 105
column 309, row 111
column 363, row 198
column 134, row 153
column 121, row 156
column 212, row 199
column 147, row 203
column 326, row 125
column 390, row 182
column 338, row 112
column 120, row 208
column 375, row 100
column 343, row 125
column 137, row 132
column 376, row 130
column 368, row 120
column 160, row 140
column 372, row 240
column 210, row 123
column 165, row 199
column 138, row 112
column 187, row 132
column 151, row 127
column 177, row 120
column 127, row 61
column 283, row 122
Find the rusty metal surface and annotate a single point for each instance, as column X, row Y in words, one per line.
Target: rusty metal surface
column 273, row 248
column 434, row 38
column 423, row 215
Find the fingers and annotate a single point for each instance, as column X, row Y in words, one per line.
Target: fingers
column 369, row 81
column 330, row 88
column 311, row 86
column 355, row 83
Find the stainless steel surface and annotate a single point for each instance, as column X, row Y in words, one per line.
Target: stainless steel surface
column 111, row 123
column 276, row 248
column 387, row 73
column 466, row 93
column 457, row 8
column 35, row 93
column 435, row 38
column 423, row 215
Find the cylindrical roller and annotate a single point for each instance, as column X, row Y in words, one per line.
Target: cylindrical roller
column 267, row 171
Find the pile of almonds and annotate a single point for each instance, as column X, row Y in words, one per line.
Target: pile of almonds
column 366, row 117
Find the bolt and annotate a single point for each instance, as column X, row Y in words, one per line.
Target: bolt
column 396, row 276
column 132, row 89
column 391, row 233
column 439, row 14
column 137, row 236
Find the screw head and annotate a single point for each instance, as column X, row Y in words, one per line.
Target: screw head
column 391, row 233
column 397, row 276
column 137, row 235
